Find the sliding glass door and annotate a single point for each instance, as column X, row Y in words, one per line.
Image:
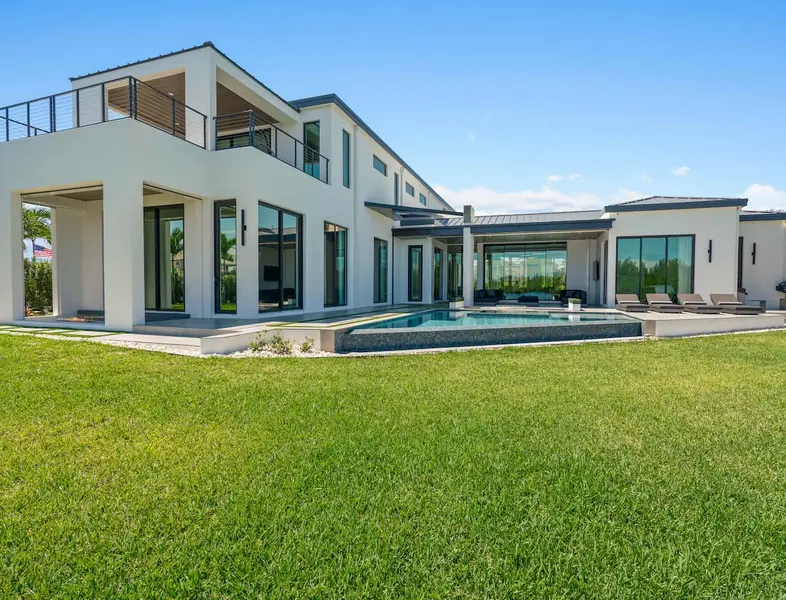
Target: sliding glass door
column 225, row 247
column 335, row 265
column 455, row 273
column 532, row 269
column 437, row 274
column 655, row 265
column 164, row 255
column 280, row 258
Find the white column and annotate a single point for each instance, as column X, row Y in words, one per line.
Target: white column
column 12, row 279
column 124, row 268
column 201, row 96
column 193, row 256
column 427, row 275
column 247, row 259
column 67, row 239
column 467, row 266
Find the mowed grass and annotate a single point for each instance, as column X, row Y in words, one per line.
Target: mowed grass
column 635, row 470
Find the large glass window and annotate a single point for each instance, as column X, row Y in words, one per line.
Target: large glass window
column 226, row 256
column 380, row 270
column 346, row 156
column 311, row 148
column 655, row 264
column 531, row 269
column 280, row 259
column 455, row 273
column 415, row 286
column 335, row 265
column 437, row 274
column 165, row 275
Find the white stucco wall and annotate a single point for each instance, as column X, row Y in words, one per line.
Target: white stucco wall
column 720, row 225
column 759, row 279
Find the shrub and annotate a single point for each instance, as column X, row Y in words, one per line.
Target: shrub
column 38, row 285
column 276, row 344
column 307, row 346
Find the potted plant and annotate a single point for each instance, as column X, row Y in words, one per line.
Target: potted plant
column 456, row 303
column 574, row 305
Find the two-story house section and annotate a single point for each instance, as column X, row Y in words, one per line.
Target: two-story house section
column 183, row 183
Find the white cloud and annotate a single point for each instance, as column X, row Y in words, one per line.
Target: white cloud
column 680, row 171
column 546, row 199
column 764, row 197
column 472, row 137
column 570, row 177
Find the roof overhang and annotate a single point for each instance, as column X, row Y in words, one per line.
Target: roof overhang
column 506, row 229
column 717, row 203
column 774, row 216
column 399, row 211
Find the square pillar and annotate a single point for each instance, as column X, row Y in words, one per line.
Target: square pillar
column 467, row 266
column 481, row 268
column 12, row 278
column 247, row 258
column 124, row 268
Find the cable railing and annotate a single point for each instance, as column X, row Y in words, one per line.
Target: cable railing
column 248, row 128
column 122, row 98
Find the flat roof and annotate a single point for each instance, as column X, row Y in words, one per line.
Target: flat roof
column 675, row 203
column 393, row 211
column 762, row 215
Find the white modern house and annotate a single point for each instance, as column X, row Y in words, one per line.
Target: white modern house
column 183, row 184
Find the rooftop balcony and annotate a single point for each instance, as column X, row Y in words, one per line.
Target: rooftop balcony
column 131, row 98
column 252, row 128
column 125, row 98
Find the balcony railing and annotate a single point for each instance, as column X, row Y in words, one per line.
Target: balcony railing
column 109, row 101
column 246, row 128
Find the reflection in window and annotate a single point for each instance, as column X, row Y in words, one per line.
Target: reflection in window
column 532, row 269
column 335, row 265
column 380, row 270
column 437, row 274
column 660, row 264
column 311, row 148
column 415, row 286
column 455, row 273
column 226, row 256
column 164, row 241
column 280, row 260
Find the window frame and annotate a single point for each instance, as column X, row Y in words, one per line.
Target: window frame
column 422, row 199
column 375, row 161
column 641, row 239
column 409, row 188
column 378, row 279
column 346, row 265
column 217, row 205
column 346, row 155
column 299, row 217
column 410, row 298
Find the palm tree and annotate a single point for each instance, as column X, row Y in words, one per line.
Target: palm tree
column 36, row 225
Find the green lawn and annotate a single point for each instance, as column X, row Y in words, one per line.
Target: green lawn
column 636, row 470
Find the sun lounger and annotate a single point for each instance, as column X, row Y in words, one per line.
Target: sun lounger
column 630, row 303
column 661, row 303
column 694, row 303
column 729, row 304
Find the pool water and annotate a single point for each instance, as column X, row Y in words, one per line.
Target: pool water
column 465, row 318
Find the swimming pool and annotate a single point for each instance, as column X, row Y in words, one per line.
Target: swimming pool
column 455, row 328
column 466, row 318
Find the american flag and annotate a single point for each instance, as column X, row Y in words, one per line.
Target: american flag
column 41, row 251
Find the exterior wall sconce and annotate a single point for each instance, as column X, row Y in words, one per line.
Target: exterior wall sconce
column 243, row 227
column 709, row 251
column 753, row 254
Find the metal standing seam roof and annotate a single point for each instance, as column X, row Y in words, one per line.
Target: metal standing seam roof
column 519, row 219
column 762, row 215
column 675, row 203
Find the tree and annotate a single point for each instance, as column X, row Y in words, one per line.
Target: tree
column 36, row 224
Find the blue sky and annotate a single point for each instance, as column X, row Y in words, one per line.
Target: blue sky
column 511, row 106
